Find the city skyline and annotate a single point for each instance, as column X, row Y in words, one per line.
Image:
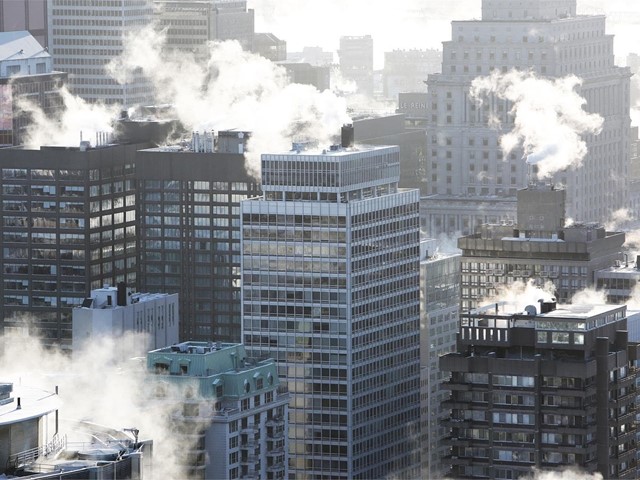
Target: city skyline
column 249, row 200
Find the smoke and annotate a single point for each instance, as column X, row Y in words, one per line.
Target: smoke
column 233, row 88
column 618, row 219
column 571, row 473
column 78, row 118
column 520, row 293
column 97, row 387
column 548, row 118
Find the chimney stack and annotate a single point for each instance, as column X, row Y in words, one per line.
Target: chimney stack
column 348, row 135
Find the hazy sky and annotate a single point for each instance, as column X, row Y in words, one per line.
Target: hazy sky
column 408, row 23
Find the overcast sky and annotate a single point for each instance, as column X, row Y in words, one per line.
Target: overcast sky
column 408, row 23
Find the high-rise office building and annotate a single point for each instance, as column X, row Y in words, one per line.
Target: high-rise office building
column 465, row 160
column 540, row 247
column 190, row 25
column 439, row 310
column 26, row 74
column 31, row 15
column 86, row 36
column 68, row 225
column 330, row 268
column 231, row 409
column 189, row 230
column 547, row 387
column 356, row 62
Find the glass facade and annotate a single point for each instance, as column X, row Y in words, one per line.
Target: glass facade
column 65, row 230
column 330, row 265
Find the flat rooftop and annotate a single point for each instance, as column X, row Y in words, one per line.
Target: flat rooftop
column 34, row 403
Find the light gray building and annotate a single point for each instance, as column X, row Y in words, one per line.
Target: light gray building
column 439, row 311
column 85, row 36
column 330, row 265
column 232, row 410
column 465, row 159
column 356, row 61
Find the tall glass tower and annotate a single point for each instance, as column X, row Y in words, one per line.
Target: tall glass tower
column 330, row 268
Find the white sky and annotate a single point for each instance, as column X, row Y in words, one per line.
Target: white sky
column 409, row 23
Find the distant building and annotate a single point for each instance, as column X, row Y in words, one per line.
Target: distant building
column 26, row 74
column 85, row 36
column 190, row 25
column 330, row 268
column 138, row 322
column 314, row 56
column 546, row 387
column 232, row 409
column 18, row 15
column 189, row 229
column 392, row 130
column 540, row 247
column 619, row 281
column 307, row 74
column 439, row 310
column 356, row 62
column 270, row 47
column 465, row 159
column 407, row 71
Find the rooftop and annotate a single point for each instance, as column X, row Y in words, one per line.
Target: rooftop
column 25, row 403
column 20, row 45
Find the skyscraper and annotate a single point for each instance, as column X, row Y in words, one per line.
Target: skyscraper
column 464, row 158
column 439, row 312
column 547, row 387
column 85, row 36
column 189, row 230
column 330, row 265
column 190, row 25
column 68, row 225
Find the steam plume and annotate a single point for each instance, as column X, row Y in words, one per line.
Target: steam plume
column 566, row 474
column 548, row 118
column 233, row 88
column 78, row 117
column 520, row 293
column 98, row 387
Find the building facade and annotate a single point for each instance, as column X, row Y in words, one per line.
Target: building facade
column 330, row 266
column 189, row 231
column 190, row 25
column 439, row 320
column 406, row 71
column 548, row 389
column 356, row 62
column 17, row 15
column 68, row 225
column 464, row 156
column 137, row 322
column 26, row 74
column 540, row 247
column 86, row 36
column 232, row 409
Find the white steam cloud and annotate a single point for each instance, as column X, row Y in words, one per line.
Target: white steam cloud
column 97, row 387
column 78, row 118
column 233, row 88
column 566, row 474
column 521, row 294
column 549, row 118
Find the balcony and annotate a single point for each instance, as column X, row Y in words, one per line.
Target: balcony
column 461, row 461
column 249, row 460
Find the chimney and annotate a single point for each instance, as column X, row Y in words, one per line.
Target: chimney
column 347, row 135
column 122, row 294
column 19, row 407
